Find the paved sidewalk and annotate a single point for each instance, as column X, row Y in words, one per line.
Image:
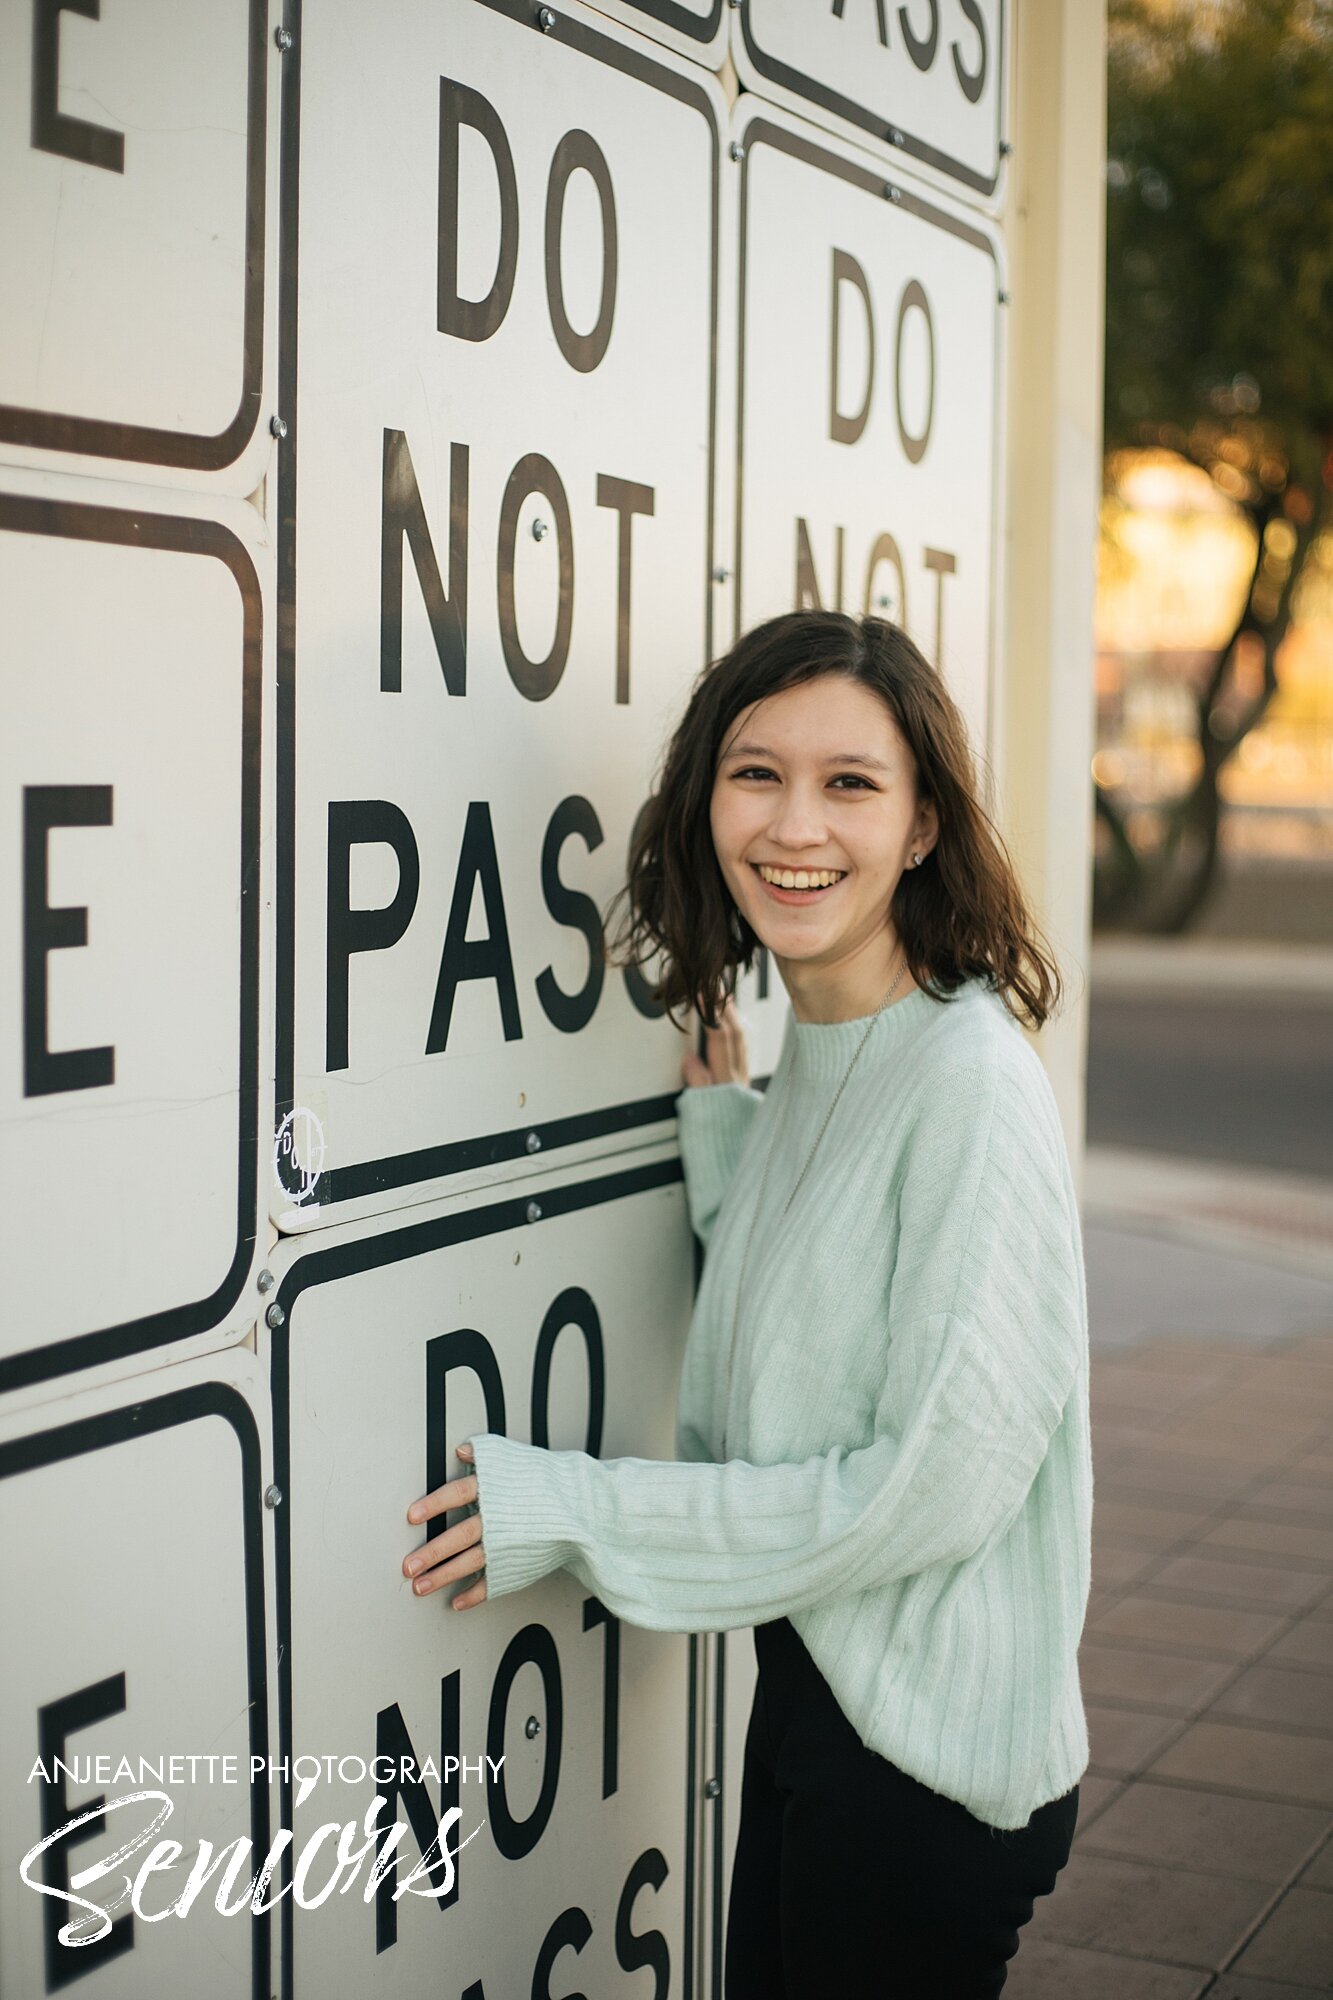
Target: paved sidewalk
column 1124, row 965
column 1269, row 1219
column 1203, row 1863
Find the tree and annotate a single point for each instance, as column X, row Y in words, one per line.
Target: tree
column 1219, row 344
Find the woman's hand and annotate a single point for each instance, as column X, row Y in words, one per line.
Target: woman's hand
column 458, row 1551
column 727, row 1058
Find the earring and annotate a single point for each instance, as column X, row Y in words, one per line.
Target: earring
column 917, row 859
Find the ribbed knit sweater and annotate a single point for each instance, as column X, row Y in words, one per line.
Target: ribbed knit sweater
column 908, row 1470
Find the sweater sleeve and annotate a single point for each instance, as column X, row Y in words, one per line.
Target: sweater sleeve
column 986, row 1327
column 712, row 1121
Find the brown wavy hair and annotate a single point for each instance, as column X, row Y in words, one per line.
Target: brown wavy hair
column 960, row 915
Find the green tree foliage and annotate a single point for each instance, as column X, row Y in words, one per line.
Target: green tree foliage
column 1219, row 342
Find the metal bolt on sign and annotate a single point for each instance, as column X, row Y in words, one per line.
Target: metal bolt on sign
column 272, row 1496
column 1003, row 298
column 895, row 137
column 539, row 530
column 545, row 20
column 532, row 1727
column 721, row 574
column 736, row 150
column 713, row 1789
column 278, row 427
column 1005, row 149
column 264, row 1282
column 275, row 1316
column 283, row 38
column 533, row 1142
column 534, row 1211
column 893, row 193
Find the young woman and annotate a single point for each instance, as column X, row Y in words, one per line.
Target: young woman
column 884, row 1400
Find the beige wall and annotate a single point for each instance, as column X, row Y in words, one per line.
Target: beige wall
column 1043, row 736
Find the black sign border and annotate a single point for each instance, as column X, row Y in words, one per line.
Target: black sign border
column 141, row 1419
column 101, row 437
column 877, row 122
column 667, row 15
column 183, row 535
column 761, row 132
column 373, row 1252
column 427, row 1163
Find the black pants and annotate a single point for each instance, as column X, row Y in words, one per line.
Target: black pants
column 853, row 1880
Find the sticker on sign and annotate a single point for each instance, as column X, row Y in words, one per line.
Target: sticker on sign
column 496, row 576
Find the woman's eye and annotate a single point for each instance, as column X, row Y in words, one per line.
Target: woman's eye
column 759, row 771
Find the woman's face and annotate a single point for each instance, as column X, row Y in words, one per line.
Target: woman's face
column 817, row 778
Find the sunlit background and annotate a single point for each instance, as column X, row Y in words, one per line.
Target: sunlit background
column 1213, row 772
column 1174, row 567
column 1208, row 1170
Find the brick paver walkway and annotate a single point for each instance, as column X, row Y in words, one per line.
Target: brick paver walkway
column 1203, row 1863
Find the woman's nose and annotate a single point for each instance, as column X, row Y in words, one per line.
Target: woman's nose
column 798, row 820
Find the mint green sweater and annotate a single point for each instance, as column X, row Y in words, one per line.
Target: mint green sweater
column 908, row 1469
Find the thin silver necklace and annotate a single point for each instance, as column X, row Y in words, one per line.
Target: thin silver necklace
column 768, row 1161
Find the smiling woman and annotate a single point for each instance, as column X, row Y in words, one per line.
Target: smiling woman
column 883, row 1406
column 798, row 823
column 825, row 743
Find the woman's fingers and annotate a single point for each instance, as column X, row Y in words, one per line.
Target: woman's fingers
column 442, row 1547
column 455, row 1554
column 458, row 1493
column 733, row 1044
column 456, row 1564
column 727, row 1059
column 735, row 1034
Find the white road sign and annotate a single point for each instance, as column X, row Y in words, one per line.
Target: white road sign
column 924, row 84
column 499, row 521
column 135, row 236
column 696, row 28
column 866, row 440
column 134, row 1629
column 129, row 920
column 573, row 1737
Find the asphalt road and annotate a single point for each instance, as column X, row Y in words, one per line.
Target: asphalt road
column 1245, row 1077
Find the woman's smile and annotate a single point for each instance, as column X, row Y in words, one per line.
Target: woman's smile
column 797, row 886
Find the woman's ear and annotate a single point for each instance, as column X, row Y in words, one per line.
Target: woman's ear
column 926, row 830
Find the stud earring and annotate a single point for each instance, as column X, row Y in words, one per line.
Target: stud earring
column 917, row 859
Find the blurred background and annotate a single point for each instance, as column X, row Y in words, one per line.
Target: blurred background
column 1211, row 1035
column 1203, row 1866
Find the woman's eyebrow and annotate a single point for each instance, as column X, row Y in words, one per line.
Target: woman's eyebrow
column 839, row 757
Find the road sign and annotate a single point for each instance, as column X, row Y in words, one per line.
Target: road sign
column 867, row 439
column 695, row 28
column 923, row 85
column 134, row 1629
column 130, row 926
column 500, row 328
column 133, row 166
column 557, row 1315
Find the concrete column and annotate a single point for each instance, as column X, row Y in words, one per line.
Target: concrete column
column 1044, row 712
